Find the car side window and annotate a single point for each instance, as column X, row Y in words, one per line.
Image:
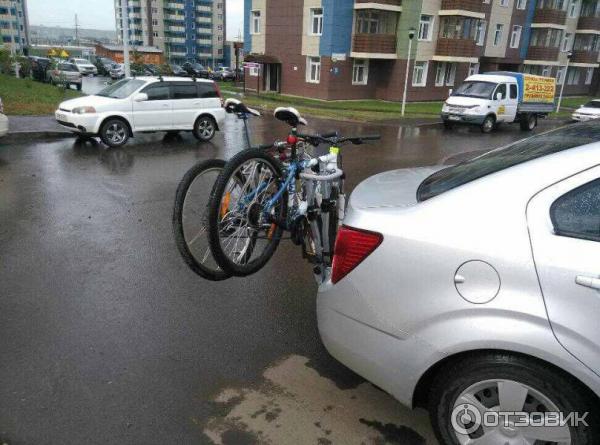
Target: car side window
column 501, row 89
column 513, row 91
column 157, row 92
column 576, row 214
column 185, row 91
column 206, row 90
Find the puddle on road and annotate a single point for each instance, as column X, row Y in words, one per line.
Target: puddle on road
column 294, row 404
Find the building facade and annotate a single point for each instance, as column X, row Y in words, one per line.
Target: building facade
column 186, row 30
column 358, row 49
column 14, row 25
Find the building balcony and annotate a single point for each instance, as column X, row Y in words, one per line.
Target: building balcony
column 542, row 53
column 592, row 22
column 548, row 15
column 374, row 44
column 377, row 4
column 463, row 5
column 584, row 56
column 457, row 48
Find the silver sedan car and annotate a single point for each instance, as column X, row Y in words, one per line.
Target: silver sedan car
column 474, row 291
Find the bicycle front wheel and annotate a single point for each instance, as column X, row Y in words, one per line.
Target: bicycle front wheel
column 190, row 217
column 244, row 228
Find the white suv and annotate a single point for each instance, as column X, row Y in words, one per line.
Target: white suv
column 146, row 104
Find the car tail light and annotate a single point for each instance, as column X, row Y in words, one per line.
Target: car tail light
column 218, row 90
column 352, row 247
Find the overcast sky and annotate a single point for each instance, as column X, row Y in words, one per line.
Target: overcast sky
column 100, row 14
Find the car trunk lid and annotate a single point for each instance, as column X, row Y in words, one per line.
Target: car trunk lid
column 396, row 188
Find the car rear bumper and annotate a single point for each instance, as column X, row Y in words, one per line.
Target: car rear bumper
column 3, row 125
column 463, row 118
column 78, row 123
column 389, row 362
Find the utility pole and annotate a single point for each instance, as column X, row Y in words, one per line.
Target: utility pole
column 76, row 31
column 564, row 80
column 125, row 26
column 411, row 35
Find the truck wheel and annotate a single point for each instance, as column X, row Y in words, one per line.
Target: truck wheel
column 528, row 122
column 488, row 124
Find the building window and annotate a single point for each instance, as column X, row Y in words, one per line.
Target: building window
column 560, row 75
column 573, row 7
column 566, row 45
column 521, row 4
column 498, row 34
column 419, row 78
column 360, row 72
column 445, row 74
column 313, row 69
column 573, row 76
column 515, row 37
column 546, row 70
column 316, row 21
column 255, row 22
column 457, row 27
column 480, row 32
column 504, row 3
column 589, row 74
column 369, row 22
column 425, row 27
column 473, row 69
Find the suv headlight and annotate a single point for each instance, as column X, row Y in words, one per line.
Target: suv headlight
column 84, row 110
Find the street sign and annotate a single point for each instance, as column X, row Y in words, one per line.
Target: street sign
column 338, row 57
column 251, row 65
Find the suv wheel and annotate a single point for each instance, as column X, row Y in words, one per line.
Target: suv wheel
column 205, row 128
column 114, row 133
column 466, row 393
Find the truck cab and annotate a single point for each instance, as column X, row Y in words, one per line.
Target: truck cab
column 489, row 99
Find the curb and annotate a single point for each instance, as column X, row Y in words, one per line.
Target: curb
column 20, row 136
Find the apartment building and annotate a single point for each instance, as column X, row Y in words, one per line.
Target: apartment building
column 14, row 25
column 358, row 49
column 185, row 30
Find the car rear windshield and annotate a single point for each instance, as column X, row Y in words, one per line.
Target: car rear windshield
column 506, row 157
column 67, row 67
column 122, row 89
column 593, row 104
column 481, row 90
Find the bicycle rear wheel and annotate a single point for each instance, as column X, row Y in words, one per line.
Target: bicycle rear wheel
column 190, row 217
column 243, row 236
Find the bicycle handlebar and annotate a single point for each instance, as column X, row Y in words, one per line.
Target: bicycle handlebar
column 332, row 138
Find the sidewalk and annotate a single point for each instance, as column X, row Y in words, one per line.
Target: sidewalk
column 33, row 127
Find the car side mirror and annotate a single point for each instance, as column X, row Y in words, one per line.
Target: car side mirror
column 498, row 96
column 140, row 97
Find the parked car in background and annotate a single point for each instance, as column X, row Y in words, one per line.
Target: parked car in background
column 588, row 111
column 117, row 71
column 146, row 104
column 104, row 65
column 63, row 73
column 152, row 69
column 85, row 67
column 39, row 67
column 196, row 69
column 223, row 73
column 474, row 288
column 3, row 120
column 178, row 70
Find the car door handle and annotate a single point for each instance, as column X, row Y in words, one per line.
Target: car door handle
column 590, row 282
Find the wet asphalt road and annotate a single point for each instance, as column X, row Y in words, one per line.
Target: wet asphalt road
column 107, row 338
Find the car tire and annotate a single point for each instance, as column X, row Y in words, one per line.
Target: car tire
column 472, row 381
column 528, row 122
column 488, row 124
column 448, row 125
column 114, row 132
column 205, row 128
column 79, row 86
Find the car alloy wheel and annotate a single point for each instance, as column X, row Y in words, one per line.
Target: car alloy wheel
column 116, row 133
column 489, row 397
column 205, row 129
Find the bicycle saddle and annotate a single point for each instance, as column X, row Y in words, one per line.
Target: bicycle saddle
column 236, row 106
column 290, row 116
